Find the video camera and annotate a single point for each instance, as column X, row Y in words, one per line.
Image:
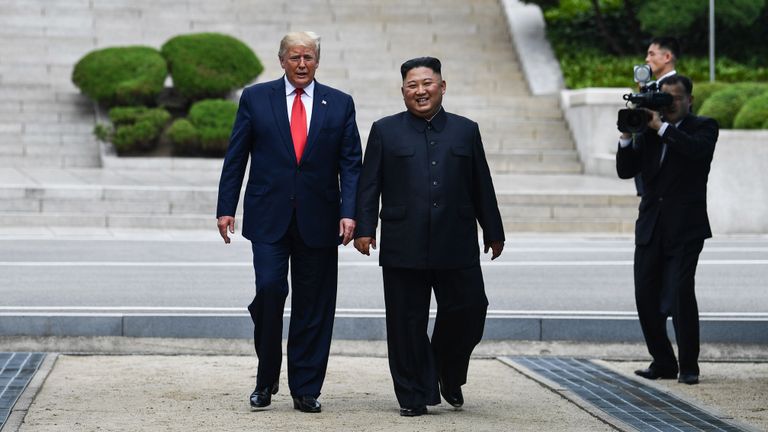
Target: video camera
column 633, row 120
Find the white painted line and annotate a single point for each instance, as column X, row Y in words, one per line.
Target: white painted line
column 350, row 263
column 354, row 311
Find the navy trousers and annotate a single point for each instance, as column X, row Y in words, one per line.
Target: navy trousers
column 313, row 303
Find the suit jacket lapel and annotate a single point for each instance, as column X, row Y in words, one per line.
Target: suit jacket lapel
column 319, row 109
column 280, row 111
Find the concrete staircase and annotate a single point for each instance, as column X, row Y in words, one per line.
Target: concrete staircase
column 45, row 124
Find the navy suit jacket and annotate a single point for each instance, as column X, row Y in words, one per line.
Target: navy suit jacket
column 675, row 190
column 320, row 189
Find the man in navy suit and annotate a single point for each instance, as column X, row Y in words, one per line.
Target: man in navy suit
column 429, row 168
column 674, row 155
column 305, row 154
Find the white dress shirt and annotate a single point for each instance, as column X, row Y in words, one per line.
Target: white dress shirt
column 306, row 99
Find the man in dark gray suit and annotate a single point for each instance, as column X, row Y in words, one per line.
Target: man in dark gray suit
column 674, row 158
column 429, row 168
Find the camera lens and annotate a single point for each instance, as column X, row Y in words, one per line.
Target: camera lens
column 636, row 119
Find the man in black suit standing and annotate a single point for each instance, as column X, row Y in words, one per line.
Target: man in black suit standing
column 429, row 168
column 674, row 158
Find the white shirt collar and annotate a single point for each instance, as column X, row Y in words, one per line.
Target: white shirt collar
column 308, row 90
column 668, row 74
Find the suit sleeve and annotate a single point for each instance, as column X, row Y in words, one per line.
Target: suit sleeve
column 350, row 160
column 697, row 145
column 369, row 188
column 235, row 160
column 484, row 195
column 629, row 158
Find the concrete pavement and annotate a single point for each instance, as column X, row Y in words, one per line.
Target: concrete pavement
column 161, row 391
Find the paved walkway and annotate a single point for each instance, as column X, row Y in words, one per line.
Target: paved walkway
column 187, row 392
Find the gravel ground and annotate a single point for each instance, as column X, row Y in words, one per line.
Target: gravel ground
column 182, row 393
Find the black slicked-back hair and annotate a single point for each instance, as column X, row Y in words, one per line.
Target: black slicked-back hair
column 668, row 43
column 428, row 62
column 679, row 79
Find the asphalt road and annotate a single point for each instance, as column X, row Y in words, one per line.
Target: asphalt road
column 546, row 273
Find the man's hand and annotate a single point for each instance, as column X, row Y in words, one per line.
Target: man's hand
column 363, row 244
column 346, row 230
column 226, row 223
column 655, row 121
column 497, row 246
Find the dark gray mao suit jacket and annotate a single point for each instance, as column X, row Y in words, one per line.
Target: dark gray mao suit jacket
column 435, row 186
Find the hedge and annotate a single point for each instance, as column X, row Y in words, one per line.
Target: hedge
column 702, row 92
column 121, row 75
column 207, row 128
column 754, row 113
column 209, row 65
column 726, row 103
column 592, row 69
column 137, row 129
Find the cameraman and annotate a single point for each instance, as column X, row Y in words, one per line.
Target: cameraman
column 661, row 57
column 673, row 157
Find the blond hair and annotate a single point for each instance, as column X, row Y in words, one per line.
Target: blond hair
column 305, row 38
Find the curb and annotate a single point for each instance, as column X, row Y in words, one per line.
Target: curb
column 362, row 324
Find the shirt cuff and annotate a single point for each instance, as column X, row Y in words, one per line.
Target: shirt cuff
column 663, row 128
column 624, row 143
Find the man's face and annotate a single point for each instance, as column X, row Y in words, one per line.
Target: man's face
column 300, row 64
column 659, row 59
column 681, row 102
column 423, row 92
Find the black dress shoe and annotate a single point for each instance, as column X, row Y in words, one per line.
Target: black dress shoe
column 413, row 412
column 307, row 404
column 452, row 395
column 689, row 379
column 262, row 397
column 652, row 374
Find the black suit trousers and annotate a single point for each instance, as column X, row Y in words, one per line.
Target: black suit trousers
column 314, row 273
column 664, row 286
column 415, row 363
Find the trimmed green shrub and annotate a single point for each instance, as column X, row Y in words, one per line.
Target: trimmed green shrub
column 589, row 68
column 137, row 129
column 122, row 75
column 754, row 114
column 183, row 136
column 213, row 119
column 725, row 104
column 209, row 65
column 702, row 92
column 206, row 130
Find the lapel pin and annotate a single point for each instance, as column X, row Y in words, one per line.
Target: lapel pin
column 324, row 102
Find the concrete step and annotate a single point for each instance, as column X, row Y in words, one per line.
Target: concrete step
column 559, row 204
column 40, row 41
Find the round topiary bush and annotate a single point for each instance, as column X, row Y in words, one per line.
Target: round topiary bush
column 209, row 65
column 754, row 113
column 184, row 137
column 137, row 129
column 121, row 75
column 213, row 120
column 702, row 92
column 726, row 103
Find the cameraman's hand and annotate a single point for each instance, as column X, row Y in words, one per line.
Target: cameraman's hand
column 655, row 121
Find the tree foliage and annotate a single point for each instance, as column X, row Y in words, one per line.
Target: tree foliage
column 626, row 26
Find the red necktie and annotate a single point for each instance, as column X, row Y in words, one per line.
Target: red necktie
column 298, row 125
